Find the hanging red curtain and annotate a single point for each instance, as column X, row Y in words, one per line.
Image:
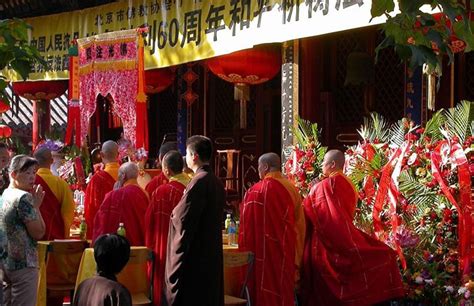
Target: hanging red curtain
column 73, row 113
column 112, row 63
column 244, row 68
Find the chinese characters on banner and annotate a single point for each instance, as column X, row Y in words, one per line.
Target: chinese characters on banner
column 182, row 31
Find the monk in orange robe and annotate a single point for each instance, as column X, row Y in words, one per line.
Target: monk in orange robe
column 101, row 183
column 161, row 178
column 157, row 218
column 126, row 204
column 267, row 229
column 58, row 203
column 343, row 265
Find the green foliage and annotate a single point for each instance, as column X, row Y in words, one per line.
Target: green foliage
column 432, row 127
column 459, row 120
column 416, row 192
column 412, row 33
column 15, row 52
column 375, row 128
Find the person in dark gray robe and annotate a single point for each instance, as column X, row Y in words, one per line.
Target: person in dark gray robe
column 194, row 267
column 111, row 253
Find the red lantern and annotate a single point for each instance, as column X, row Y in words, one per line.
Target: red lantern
column 4, row 107
column 5, row 131
column 247, row 67
column 250, row 67
column 157, row 80
column 40, row 90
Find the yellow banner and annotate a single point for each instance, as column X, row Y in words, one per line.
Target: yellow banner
column 181, row 31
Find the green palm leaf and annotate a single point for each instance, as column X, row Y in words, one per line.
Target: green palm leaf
column 416, row 192
column 397, row 133
column 432, row 127
column 459, row 119
column 375, row 128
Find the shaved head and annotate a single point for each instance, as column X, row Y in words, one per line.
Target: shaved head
column 128, row 170
column 333, row 161
column 109, row 151
column 44, row 157
column 268, row 162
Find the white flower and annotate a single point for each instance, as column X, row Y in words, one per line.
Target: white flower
column 429, row 281
column 412, row 159
column 462, row 290
column 419, row 280
column 449, row 289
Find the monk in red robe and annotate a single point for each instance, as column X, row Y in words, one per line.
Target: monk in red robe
column 267, row 229
column 58, row 203
column 101, row 183
column 343, row 265
column 157, row 218
column 126, row 204
column 161, row 178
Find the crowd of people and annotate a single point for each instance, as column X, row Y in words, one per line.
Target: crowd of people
column 306, row 251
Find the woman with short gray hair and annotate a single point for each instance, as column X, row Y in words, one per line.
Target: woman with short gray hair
column 21, row 225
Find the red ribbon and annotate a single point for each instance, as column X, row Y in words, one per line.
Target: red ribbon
column 459, row 160
column 388, row 186
column 79, row 170
column 369, row 188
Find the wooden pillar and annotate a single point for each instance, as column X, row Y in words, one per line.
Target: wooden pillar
column 41, row 120
column 289, row 95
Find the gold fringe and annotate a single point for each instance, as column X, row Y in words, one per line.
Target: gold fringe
column 108, row 66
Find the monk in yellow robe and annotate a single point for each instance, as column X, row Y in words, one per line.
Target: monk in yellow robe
column 58, row 203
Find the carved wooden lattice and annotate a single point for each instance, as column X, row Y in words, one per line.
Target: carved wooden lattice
column 349, row 99
column 224, row 102
column 389, row 80
column 469, row 95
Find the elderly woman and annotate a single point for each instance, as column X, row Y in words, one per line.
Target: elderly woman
column 21, row 225
column 111, row 253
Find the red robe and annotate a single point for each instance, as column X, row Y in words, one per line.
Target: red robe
column 100, row 184
column 341, row 264
column 125, row 205
column 267, row 228
column 157, row 221
column 156, row 182
column 51, row 212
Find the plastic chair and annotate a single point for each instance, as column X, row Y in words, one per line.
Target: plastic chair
column 135, row 272
column 239, row 259
column 62, row 264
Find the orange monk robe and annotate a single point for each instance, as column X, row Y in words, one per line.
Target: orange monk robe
column 100, row 184
column 156, row 182
column 267, row 228
column 58, row 205
column 343, row 265
column 126, row 205
column 300, row 225
column 157, row 220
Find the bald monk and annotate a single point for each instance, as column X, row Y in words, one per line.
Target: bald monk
column 157, row 218
column 58, row 203
column 160, row 179
column 126, row 204
column 271, row 214
column 341, row 264
column 101, row 183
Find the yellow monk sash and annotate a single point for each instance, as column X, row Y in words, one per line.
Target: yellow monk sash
column 63, row 193
column 300, row 223
column 181, row 178
column 112, row 169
